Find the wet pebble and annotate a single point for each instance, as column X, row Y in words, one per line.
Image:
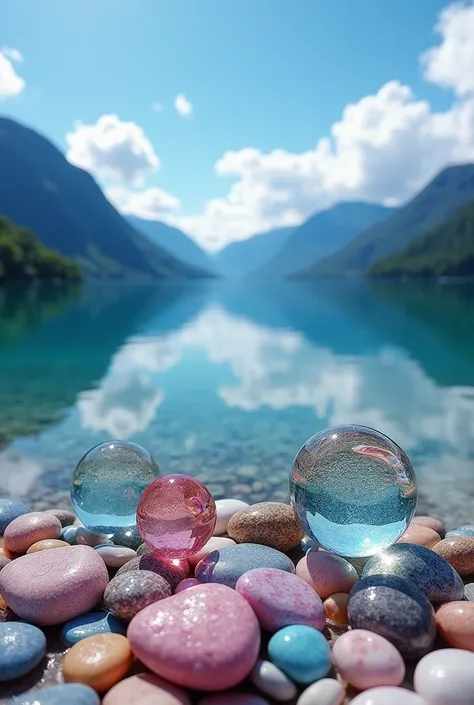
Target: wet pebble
column 270, row 680
column 90, row 624
column 173, row 571
column 301, row 652
column 396, row 609
column 388, row 696
column 115, row 556
column 128, row 537
column 47, row 544
column 420, row 535
column 269, row 523
column 326, row 691
column 335, row 607
column 367, row 660
column 27, row 529
column 65, row 516
column 215, row 543
column 145, row 689
column 459, row 552
column 279, row 599
column 326, row 573
column 99, row 661
column 130, row 592
column 226, row 508
column 466, row 530
column 432, row 523
column 422, row 567
column 216, row 616
column 22, row 646
column 227, row 565
column 61, row 694
column 455, row 621
column 10, row 510
column 446, row 677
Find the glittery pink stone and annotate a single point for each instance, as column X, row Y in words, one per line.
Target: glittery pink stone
column 176, row 516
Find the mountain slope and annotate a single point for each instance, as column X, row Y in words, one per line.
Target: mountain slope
column 446, row 251
column 450, row 190
column 173, row 240
column 322, row 234
column 240, row 258
column 65, row 208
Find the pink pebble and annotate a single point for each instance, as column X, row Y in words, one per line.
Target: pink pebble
column 214, row 544
column 53, row 586
column 366, row 660
column 145, row 689
column 27, row 529
column 206, row 638
column 388, row 696
column 185, row 584
column 432, row 523
column 279, row 599
column 326, row 573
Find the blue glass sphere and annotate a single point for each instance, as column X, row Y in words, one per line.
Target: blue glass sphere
column 353, row 490
column 107, row 484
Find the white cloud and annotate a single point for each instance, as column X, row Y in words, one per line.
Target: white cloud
column 183, row 105
column 451, row 64
column 151, row 204
column 112, row 149
column 11, row 84
column 157, row 107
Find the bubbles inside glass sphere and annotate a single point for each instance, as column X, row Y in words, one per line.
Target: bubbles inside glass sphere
column 176, row 516
column 107, row 484
column 353, row 489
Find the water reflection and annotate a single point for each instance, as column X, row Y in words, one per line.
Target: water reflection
column 226, row 382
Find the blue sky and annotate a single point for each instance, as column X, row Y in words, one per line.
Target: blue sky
column 260, row 75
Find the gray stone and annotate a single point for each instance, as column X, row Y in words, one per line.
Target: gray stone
column 469, row 592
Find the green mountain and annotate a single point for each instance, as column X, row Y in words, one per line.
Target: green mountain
column 239, row 259
column 450, row 190
column 65, row 208
column 320, row 235
column 448, row 250
column 173, row 240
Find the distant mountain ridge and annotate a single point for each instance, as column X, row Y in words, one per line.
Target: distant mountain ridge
column 67, row 211
column 321, row 234
column 238, row 259
column 449, row 191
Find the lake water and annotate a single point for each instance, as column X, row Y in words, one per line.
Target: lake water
column 226, row 381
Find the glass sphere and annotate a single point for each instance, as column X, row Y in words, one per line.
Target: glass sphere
column 176, row 516
column 107, row 484
column 353, row 490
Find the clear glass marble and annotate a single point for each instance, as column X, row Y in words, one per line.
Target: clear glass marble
column 107, row 484
column 353, row 489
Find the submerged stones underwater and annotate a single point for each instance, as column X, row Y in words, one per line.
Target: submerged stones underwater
column 325, row 601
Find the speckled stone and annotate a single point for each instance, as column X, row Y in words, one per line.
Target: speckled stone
column 466, row 530
column 455, row 622
column 459, row 552
column 326, row 573
column 61, row 694
column 99, row 661
column 172, row 571
column 434, row 523
column 65, row 516
column 422, row 567
column 130, row 592
column 145, row 689
column 396, row 609
column 10, row 509
column 367, row 660
column 27, row 529
column 269, row 523
column 420, row 535
column 469, row 592
column 446, row 677
column 227, row 565
column 90, row 624
column 22, row 646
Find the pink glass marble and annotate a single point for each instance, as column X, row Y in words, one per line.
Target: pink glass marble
column 176, row 516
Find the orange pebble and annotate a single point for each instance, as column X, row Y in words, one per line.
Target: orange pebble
column 99, row 661
column 455, row 621
column 47, row 543
column 3, row 604
column 420, row 535
column 336, row 609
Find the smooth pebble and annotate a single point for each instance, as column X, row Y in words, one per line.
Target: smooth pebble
column 327, row 691
column 420, row 535
column 388, row 696
column 61, row 694
column 99, row 661
column 326, row 573
column 215, row 543
column 335, row 607
column 130, row 592
column 446, row 677
column 65, row 516
column 115, row 556
column 303, row 653
column 27, row 529
column 227, row 565
column 455, row 621
column 279, row 599
column 10, row 509
column 46, row 544
column 270, row 680
column 22, row 646
column 185, row 584
column 90, row 624
column 68, row 534
column 3, row 561
column 172, row 571
column 469, row 592
column 466, row 530
column 230, row 698
column 170, row 644
column 225, row 509
column 80, row 578
column 367, row 660
column 86, row 537
column 459, row 552
column 269, row 523
column 145, row 689
column 434, row 523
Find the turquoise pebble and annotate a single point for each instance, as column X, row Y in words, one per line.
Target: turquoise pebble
column 68, row 534
column 70, row 693
column 9, row 510
column 301, row 652
column 22, row 646
column 467, row 530
column 89, row 625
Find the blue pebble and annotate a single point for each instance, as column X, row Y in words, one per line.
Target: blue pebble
column 89, row 625
column 68, row 534
column 466, row 530
column 22, row 646
column 70, row 693
column 301, row 652
column 9, row 510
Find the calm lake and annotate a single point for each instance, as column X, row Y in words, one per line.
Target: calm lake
column 226, row 381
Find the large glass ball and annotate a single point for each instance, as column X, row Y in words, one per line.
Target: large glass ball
column 353, row 489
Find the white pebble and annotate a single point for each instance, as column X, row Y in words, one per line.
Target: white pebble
column 214, row 544
column 273, row 682
column 115, row 556
column 386, row 695
column 445, row 677
column 226, row 508
column 327, row 691
column 89, row 538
